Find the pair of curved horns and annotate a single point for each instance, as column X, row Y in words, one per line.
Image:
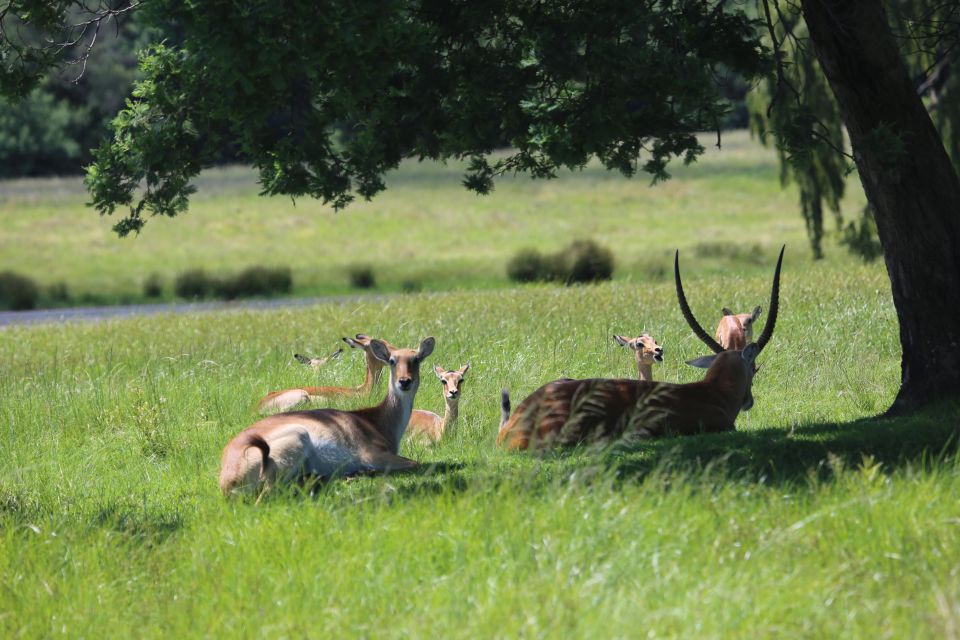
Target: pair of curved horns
column 705, row 337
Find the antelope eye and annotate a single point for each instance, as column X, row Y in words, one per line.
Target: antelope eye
column 393, row 361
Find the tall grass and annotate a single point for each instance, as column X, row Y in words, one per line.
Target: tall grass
column 810, row 520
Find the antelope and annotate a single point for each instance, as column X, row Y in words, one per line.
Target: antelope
column 290, row 398
column 325, row 443
column 429, row 426
column 646, row 351
column 569, row 412
column 316, row 363
column 735, row 330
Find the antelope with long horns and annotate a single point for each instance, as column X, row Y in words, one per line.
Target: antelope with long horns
column 569, row 412
column 290, row 398
column 324, row 443
column 426, row 425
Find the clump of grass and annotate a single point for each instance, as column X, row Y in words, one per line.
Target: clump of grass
column 361, row 276
column 18, row 292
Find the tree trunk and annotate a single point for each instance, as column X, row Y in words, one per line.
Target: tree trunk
column 915, row 192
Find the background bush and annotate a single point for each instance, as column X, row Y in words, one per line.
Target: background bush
column 194, row 283
column 361, row 276
column 255, row 281
column 17, row 292
column 581, row 261
column 153, row 286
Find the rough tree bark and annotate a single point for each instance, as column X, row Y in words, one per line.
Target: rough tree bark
column 915, row 193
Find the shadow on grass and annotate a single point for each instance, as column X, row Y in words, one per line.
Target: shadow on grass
column 779, row 456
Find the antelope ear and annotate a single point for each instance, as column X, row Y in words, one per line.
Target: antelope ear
column 353, row 343
column 726, row 312
column 426, row 347
column 750, row 352
column 703, row 362
column 336, row 354
column 464, row 369
column 644, row 335
column 623, row 342
column 437, row 369
column 380, row 351
column 301, row 359
column 755, row 314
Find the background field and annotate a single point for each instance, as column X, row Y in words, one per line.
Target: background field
column 425, row 230
column 811, row 520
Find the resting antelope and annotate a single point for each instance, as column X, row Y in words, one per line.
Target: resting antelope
column 325, row 443
column 316, row 363
column 568, row 412
column 289, row 398
column 429, row 426
column 646, row 350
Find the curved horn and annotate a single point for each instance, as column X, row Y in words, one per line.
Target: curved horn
column 774, row 304
column 688, row 315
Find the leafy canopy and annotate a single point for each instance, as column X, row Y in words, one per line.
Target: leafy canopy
column 325, row 97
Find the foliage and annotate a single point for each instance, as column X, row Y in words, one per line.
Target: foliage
column 581, row 261
column 193, row 284
column 255, row 281
column 860, row 237
column 153, row 286
column 17, row 292
column 440, row 80
column 361, row 276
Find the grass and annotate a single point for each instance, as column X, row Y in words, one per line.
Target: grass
column 810, row 520
column 425, row 232
column 813, row 519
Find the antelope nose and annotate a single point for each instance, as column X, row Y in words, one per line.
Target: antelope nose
column 454, row 393
column 659, row 350
column 405, row 383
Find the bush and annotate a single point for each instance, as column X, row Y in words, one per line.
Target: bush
column 17, row 292
column 361, row 277
column 193, row 284
column 526, row 266
column 588, row 262
column 153, row 286
column 58, row 292
column 581, row 261
column 255, row 281
column 410, row 286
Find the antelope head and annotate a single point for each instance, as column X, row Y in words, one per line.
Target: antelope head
column 451, row 380
column 316, row 363
column 404, row 365
column 645, row 347
column 747, row 355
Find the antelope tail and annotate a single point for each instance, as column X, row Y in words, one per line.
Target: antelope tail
column 504, row 407
column 254, row 440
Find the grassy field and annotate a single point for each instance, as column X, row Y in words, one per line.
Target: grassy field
column 813, row 519
column 426, row 231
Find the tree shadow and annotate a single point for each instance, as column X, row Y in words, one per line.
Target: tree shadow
column 777, row 456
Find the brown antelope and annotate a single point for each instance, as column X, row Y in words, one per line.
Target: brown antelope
column 735, row 330
column 290, row 398
column 316, row 363
column 568, row 412
column 427, row 425
column 646, row 350
column 325, row 443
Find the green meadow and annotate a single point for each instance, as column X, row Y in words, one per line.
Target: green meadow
column 813, row 519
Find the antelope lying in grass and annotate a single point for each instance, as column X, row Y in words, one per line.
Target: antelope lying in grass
column 568, row 412
column 316, row 363
column 646, row 350
column 325, row 443
column 290, row 398
column 426, row 425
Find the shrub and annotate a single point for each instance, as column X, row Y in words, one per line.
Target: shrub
column 153, row 286
column 17, row 292
column 58, row 292
column 361, row 276
column 581, row 261
column 410, row 286
column 255, row 281
column 588, row 262
column 526, row 266
column 732, row 251
column 194, row 283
